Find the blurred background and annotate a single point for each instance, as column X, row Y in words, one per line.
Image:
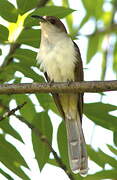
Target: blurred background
column 93, row 26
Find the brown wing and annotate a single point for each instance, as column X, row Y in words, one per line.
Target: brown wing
column 79, row 77
column 56, row 99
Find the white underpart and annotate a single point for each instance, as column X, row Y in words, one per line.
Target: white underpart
column 57, row 56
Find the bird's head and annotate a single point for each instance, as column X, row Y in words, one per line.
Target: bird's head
column 50, row 24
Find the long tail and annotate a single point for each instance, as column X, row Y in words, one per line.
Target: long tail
column 76, row 146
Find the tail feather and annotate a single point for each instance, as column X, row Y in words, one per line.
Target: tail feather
column 84, row 157
column 76, row 146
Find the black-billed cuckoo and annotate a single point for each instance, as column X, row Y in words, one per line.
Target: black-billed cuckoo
column 59, row 58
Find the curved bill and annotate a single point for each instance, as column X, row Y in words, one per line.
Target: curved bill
column 41, row 18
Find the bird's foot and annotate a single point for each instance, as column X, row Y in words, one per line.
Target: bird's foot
column 69, row 82
column 51, row 82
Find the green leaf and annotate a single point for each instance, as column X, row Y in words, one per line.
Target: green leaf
column 47, row 102
column 5, row 174
column 26, row 57
column 65, row 3
column 105, row 174
column 42, row 152
column 4, row 77
column 93, row 9
column 101, row 158
column 69, row 18
column 26, row 5
column 104, row 64
column 57, row 11
column 115, row 58
column 95, row 156
column 5, row 125
column 107, row 17
column 93, row 44
column 99, row 113
column 62, row 144
column 115, row 137
column 12, row 68
column 84, row 20
column 11, row 158
column 53, row 162
column 3, row 34
column 17, row 80
column 88, row 5
column 8, row 11
column 0, row 52
column 50, row 3
column 108, row 159
column 7, row 128
column 30, row 37
column 112, row 149
column 28, row 72
column 28, row 111
column 98, row 9
column 4, row 101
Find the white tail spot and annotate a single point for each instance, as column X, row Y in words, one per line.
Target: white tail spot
column 74, row 143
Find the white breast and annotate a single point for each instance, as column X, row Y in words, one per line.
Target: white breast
column 58, row 60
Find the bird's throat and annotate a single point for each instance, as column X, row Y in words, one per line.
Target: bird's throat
column 57, row 58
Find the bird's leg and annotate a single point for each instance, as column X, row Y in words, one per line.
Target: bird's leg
column 69, row 82
column 51, row 82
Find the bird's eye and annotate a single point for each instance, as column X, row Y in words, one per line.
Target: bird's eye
column 52, row 21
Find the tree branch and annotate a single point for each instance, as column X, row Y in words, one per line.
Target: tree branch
column 8, row 58
column 44, row 139
column 110, row 29
column 11, row 112
column 72, row 87
column 40, row 135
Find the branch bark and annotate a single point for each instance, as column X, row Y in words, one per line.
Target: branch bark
column 109, row 29
column 40, row 135
column 72, row 87
column 11, row 112
column 44, row 139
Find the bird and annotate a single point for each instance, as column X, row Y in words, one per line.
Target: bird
column 60, row 60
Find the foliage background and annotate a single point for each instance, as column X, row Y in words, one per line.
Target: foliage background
column 19, row 40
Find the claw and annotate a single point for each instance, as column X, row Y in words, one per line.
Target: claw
column 51, row 82
column 69, row 82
